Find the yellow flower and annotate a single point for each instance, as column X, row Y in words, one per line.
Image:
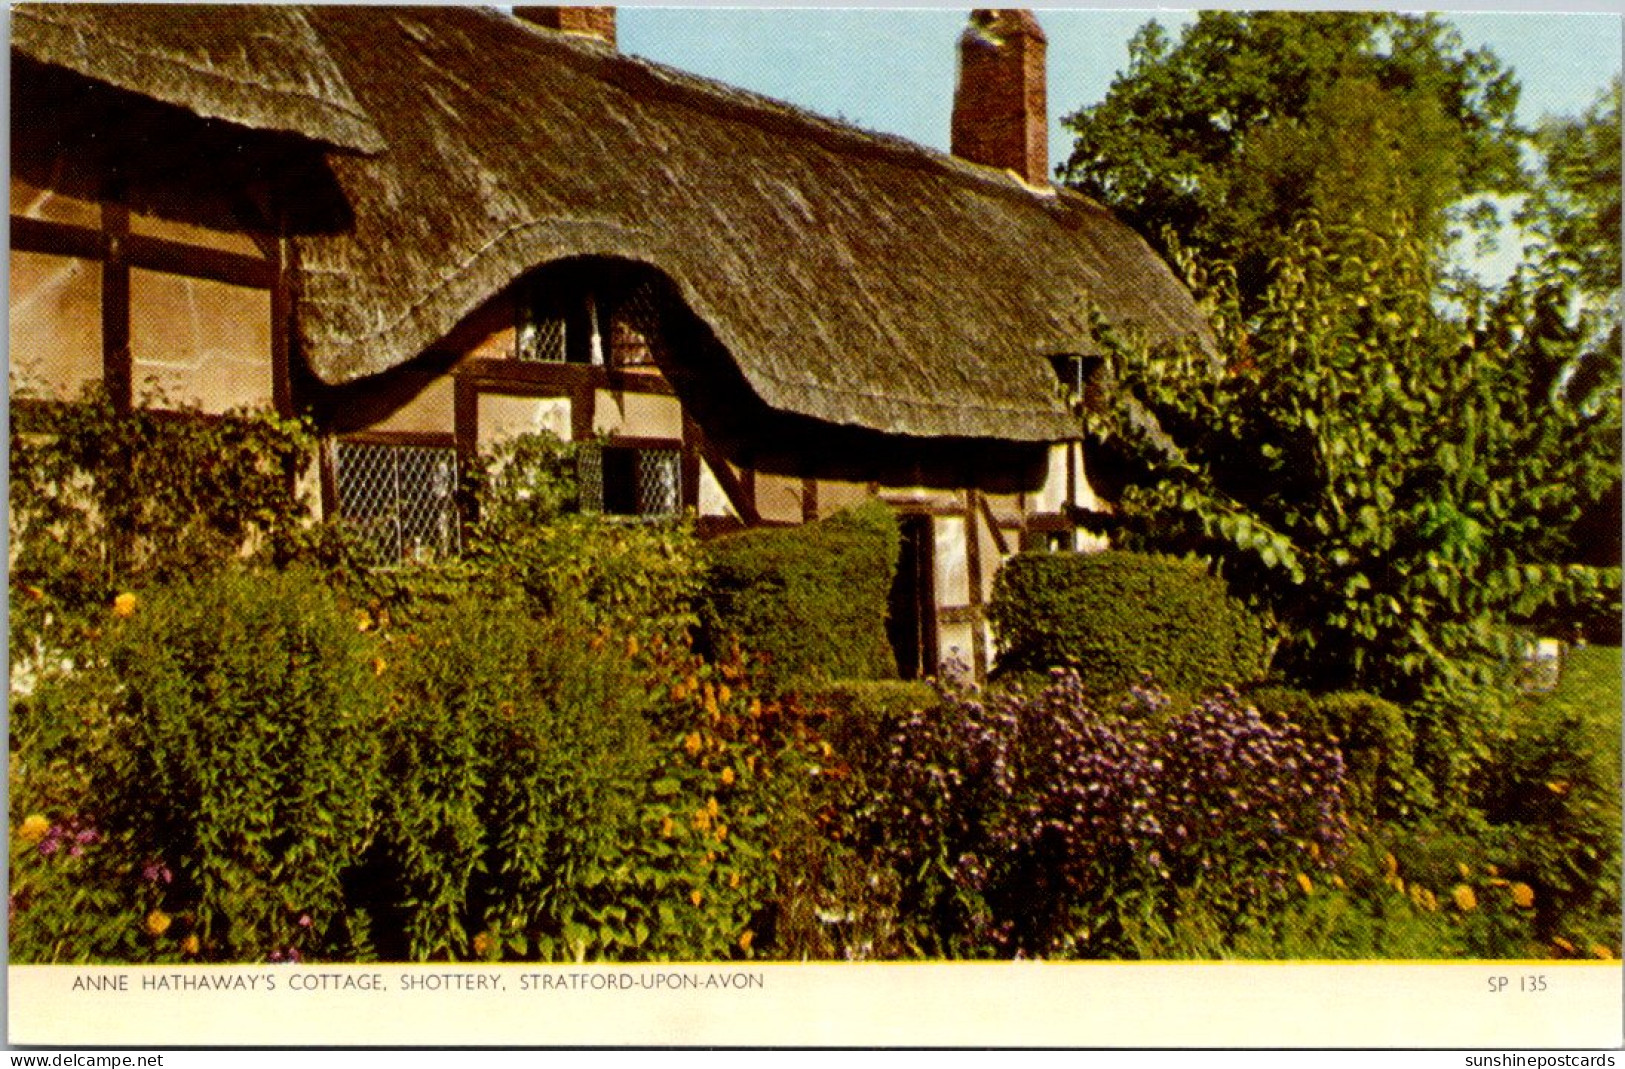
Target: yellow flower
column 1563, row 944
column 756, row 707
column 667, row 826
column 124, row 605
column 727, row 777
column 733, row 880
column 378, row 666
column 696, row 897
column 1337, row 882
column 363, row 620
column 1523, row 895
column 746, row 940
column 723, row 694
column 1390, row 865
column 1466, row 873
column 1602, row 952
column 692, row 743
column 1306, row 883
column 632, row 645
column 33, row 828
column 189, row 945
column 1465, row 899
column 157, row 922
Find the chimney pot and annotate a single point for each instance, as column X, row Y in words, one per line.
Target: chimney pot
column 596, row 22
column 1001, row 112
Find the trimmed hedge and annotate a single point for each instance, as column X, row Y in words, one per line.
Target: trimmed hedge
column 810, row 602
column 1115, row 616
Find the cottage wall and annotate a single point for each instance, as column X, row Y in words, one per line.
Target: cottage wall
column 476, row 391
column 162, row 313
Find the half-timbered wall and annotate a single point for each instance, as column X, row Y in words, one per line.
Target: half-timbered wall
column 161, row 313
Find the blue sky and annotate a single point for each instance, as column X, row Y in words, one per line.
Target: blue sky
column 892, row 69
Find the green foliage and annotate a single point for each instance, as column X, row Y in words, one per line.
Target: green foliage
column 1254, row 121
column 229, row 766
column 1576, row 205
column 1115, row 616
column 1393, row 486
column 632, row 577
column 1381, row 778
column 1552, row 786
column 861, row 715
column 515, row 749
column 103, row 502
column 810, row 601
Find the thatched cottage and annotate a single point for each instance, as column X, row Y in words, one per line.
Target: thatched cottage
column 430, row 228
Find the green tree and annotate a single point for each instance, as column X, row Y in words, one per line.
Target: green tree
column 1574, row 216
column 1255, row 121
column 1396, row 485
column 1575, row 208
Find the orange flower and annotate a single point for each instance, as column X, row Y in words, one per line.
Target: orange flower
column 189, row 945
column 746, row 940
column 482, row 944
column 1601, row 952
column 33, row 828
column 692, row 743
column 667, row 826
column 157, row 922
column 1465, row 899
column 723, row 694
column 728, row 777
column 124, row 605
column 1523, row 895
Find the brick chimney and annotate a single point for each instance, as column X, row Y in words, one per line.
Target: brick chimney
column 1001, row 114
column 596, row 22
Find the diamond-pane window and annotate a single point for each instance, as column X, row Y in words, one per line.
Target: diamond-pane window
column 631, row 482
column 542, row 339
column 634, row 334
column 400, row 498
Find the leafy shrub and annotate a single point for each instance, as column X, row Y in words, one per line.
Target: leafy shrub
column 1551, row 787
column 1033, row 824
column 236, row 778
column 103, row 502
column 810, row 601
column 1112, row 616
column 1383, row 782
column 515, row 749
column 631, row 577
column 860, row 716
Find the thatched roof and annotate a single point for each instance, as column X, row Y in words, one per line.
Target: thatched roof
column 853, row 278
column 259, row 66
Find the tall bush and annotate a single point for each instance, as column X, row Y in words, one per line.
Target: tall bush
column 1115, row 616
column 516, row 751
column 242, row 763
column 810, row 601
